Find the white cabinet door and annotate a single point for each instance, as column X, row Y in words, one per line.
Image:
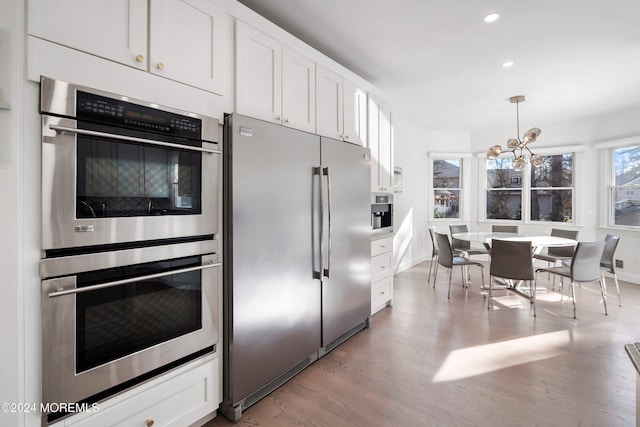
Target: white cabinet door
column 374, row 142
column 187, row 40
column 329, row 103
column 381, row 145
column 258, row 74
column 112, row 29
column 386, row 148
column 298, row 91
column 355, row 113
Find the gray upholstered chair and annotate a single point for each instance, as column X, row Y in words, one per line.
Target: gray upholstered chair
column 447, row 259
column 512, row 261
column 434, row 253
column 463, row 246
column 608, row 264
column 584, row 267
column 504, row 228
column 559, row 253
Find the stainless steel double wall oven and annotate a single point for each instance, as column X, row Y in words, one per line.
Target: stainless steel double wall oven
column 130, row 250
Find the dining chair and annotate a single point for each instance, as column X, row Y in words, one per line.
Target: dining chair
column 447, row 259
column 558, row 253
column 464, row 246
column 512, row 260
column 504, row 228
column 584, row 267
column 434, row 252
column 608, row 264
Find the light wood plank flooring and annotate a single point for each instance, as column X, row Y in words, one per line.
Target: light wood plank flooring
column 429, row 361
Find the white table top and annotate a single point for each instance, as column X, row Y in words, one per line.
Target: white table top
column 535, row 239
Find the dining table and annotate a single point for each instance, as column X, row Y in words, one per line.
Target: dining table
column 538, row 242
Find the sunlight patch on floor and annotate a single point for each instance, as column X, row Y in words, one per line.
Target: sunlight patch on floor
column 471, row 361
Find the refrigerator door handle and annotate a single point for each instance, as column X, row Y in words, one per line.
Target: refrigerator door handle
column 327, row 271
column 317, row 274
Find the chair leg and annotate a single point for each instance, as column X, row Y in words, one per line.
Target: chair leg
column 449, row 292
column 573, row 297
column 490, row 295
column 615, row 280
column 435, row 275
column 430, row 267
column 464, row 282
column 604, row 297
column 533, row 295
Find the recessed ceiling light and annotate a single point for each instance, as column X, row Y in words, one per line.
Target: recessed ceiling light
column 507, row 64
column 491, row 17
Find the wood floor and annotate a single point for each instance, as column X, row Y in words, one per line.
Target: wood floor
column 429, row 361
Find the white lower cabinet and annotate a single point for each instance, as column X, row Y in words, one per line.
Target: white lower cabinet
column 184, row 398
column 381, row 273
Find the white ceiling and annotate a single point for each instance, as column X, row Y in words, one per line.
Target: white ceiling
column 440, row 64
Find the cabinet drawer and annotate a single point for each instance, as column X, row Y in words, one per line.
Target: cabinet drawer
column 381, row 246
column 381, row 293
column 381, row 266
column 181, row 400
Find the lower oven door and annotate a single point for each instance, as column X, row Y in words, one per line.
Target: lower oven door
column 103, row 329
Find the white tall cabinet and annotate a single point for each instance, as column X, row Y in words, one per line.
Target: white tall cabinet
column 341, row 111
column 381, row 145
column 181, row 40
column 273, row 82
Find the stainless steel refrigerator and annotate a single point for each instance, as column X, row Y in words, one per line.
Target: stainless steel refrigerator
column 297, row 238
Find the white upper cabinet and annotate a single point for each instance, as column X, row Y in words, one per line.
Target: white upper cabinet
column 112, row 29
column 183, row 40
column 273, row 83
column 381, row 145
column 354, row 113
column 188, row 38
column 298, row 91
column 340, row 107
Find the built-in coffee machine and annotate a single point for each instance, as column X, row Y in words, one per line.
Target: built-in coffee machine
column 381, row 213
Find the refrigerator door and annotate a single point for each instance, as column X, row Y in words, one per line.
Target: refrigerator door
column 272, row 300
column 346, row 292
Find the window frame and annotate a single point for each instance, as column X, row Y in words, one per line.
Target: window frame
column 525, row 217
column 464, row 159
column 612, row 187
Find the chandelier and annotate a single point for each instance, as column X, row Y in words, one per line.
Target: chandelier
column 519, row 146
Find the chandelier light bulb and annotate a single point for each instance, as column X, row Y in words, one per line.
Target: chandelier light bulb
column 518, row 164
column 512, row 143
column 537, row 160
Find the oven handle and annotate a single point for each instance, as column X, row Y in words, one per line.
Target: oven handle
column 61, row 292
column 61, row 129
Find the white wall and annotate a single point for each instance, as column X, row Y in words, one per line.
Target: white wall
column 412, row 244
column 11, row 223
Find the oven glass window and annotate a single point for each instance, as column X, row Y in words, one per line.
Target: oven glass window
column 123, row 179
column 117, row 321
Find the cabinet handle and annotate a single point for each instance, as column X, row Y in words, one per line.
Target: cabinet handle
column 286, row 120
column 382, row 246
column 382, row 267
column 381, row 292
column 279, row 118
column 149, row 423
column 139, row 58
column 346, row 137
column 160, row 66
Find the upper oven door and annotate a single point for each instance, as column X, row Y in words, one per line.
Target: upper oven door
column 100, row 189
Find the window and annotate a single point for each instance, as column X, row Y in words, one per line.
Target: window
column 552, row 189
column 545, row 194
column 504, row 190
column 626, row 186
column 447, row 188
